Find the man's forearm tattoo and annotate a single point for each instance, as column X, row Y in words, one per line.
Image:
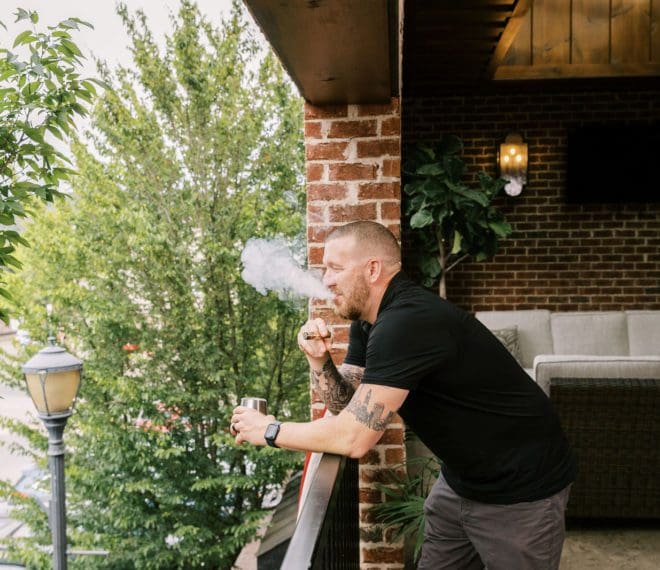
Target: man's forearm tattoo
column 335, row 387
column 372, row 417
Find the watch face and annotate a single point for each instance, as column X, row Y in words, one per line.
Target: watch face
column 271, row 431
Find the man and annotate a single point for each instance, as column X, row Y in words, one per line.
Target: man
column 506, row 466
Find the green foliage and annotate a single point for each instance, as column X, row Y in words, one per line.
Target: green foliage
column 452, row 221
column 193, row 152
column 41, row 94
column 403, row 508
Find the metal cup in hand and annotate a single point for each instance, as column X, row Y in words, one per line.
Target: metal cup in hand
column 258, row 404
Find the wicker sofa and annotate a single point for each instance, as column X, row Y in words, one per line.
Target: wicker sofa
column 602, row 372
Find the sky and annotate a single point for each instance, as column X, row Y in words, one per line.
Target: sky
column 107, row 41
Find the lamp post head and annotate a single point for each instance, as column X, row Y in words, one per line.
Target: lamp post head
column 53, row 379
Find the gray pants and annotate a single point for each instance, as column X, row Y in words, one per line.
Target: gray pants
column 466, row 535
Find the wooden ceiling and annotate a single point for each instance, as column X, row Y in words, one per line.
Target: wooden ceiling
column 449, row 43
column 335, row 51
column 340, row 51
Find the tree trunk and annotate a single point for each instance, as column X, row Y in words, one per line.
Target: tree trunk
column 442, row 260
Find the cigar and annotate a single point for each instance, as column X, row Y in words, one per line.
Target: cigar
column 314, row 336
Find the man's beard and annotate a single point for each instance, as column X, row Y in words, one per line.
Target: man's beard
column 355, row 301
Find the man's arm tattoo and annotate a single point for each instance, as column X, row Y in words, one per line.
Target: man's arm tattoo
column 336, row 387
column 370, row 417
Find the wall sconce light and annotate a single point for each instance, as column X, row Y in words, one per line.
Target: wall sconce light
column 512, row 160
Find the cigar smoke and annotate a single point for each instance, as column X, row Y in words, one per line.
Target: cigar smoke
column 269, row 265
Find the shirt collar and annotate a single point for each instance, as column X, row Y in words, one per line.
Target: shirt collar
column 397, row 283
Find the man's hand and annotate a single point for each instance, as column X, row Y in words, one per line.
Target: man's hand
column 316, row 349
column 248, row 425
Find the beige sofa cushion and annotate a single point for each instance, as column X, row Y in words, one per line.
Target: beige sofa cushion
column 597, row 333
column 644, row 332
column 547, row 366
column 533, row 330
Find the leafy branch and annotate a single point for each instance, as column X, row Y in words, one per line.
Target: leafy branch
column 452, row 221
column 41, row 95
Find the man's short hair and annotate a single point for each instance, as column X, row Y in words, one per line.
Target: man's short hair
column 373, row 238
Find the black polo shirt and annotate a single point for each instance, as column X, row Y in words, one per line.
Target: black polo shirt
column 493, row 429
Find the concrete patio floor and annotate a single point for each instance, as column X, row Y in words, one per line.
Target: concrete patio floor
column 609, row 547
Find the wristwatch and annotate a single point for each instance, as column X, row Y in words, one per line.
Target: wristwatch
column 272, row 431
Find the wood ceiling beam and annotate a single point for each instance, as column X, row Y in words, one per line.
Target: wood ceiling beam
column 576, row 70
column 509, row 34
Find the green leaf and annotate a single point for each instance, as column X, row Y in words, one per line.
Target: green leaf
column 432, row 169
column 421, row 219
column 73, row 48
column 502, row 229
column 473, row 195
column 23, row 38
column 21, row 14
column 457, row 243
column 430, row 266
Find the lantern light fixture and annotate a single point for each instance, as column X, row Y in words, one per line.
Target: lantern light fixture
column 512, row 161
column 53, row 379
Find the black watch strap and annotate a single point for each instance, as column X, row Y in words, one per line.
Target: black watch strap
column 272, row 431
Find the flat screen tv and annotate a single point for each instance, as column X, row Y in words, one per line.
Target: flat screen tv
column 613, row 164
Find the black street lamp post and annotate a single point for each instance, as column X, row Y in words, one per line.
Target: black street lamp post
column 53, row 379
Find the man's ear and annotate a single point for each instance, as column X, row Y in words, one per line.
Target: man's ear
column 375, row 269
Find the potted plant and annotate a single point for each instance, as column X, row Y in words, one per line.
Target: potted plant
column 450, row 221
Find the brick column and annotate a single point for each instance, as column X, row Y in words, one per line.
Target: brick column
column 354, row 173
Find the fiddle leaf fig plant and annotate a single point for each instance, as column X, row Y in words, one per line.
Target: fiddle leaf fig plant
column 450, row 221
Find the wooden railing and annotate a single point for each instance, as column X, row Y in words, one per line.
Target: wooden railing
column 327, row 533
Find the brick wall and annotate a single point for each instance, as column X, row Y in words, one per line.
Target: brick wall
column 561, row 257
column 353, row 173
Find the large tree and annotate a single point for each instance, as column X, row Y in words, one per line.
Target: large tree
column 41, row 95
column 195, row 150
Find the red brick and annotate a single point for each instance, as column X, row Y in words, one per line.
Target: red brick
column 315, row 213
column 325, row 111
column 313, row 129
column 394, row 456
column 350, row 213
column 314, row 172
column 392, row 436
column 353, row 171
column 392, row 167
column 315, row 255
column 333, row 191
column 350, row 129
column 382, row 190
column 317, row 234
column 390, row 210
column 370, row 496
column 375, row 109
column 390, row 127
column 382, row 554
column 326, row 151
column 378, row 147
column 372, row 457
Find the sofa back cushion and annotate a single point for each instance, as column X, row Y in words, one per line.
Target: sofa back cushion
column 644, row 332
column 598, row 333
column 533, row 330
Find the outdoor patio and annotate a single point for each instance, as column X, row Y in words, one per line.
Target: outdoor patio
column 483, row 71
